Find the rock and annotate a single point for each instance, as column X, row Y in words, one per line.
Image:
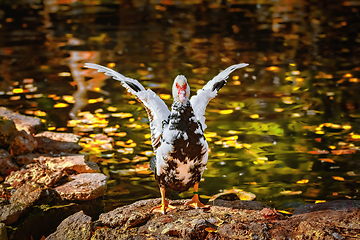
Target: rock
column 22, row 143
column 120, row 216
column 10, row 213
column 77, row 226
column 57, row 142
column 27, row 194
column 334, row 205
column 238, row 204
column 27, row 158
column 84, row 186
column 6, row 163
column 20, row 201
column 61, row 137
column 7, row 131
column 222, row 222
column 30, row 124
column 3, row 234
column 71, row 163
column 34, row 173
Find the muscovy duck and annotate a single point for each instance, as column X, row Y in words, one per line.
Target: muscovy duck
column 177, row 136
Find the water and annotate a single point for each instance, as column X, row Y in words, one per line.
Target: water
column 285, row 128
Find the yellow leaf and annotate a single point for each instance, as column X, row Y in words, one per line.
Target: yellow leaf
column 60, row 105
column 121, row 115
column 338, row 178
column 227, row 111
column 242, row 195
column 320, row 201
column 273, row 69
column 18, row 90
column 68, row 98
column 346, row 127
column 111, row 65
column 355, row 136
column 230, row 138
column 64, row 74
column 303, row 181
column 284, row 212
column 291, row 192
column 165, row 96
column 210, row 134
column 254, row 116
column 111, row 109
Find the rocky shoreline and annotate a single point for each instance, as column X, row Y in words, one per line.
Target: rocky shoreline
column 37, row 166
column 225, row 220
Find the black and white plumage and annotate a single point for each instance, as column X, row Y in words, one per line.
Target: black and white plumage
column 177, row 136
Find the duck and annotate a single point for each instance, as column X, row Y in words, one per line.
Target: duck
column 177, row 134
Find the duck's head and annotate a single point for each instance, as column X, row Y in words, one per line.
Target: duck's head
column 181, row 89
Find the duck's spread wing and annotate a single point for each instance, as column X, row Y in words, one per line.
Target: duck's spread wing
column 209, row 91
column 155, row 107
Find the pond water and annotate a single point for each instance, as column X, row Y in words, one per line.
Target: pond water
column 285, row 128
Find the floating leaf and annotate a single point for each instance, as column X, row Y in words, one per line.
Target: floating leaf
column 64, row 74
column 303, row 181
column 227, row 111
column 61, row 105
column 254, row 116
column 291, row 192
column 122, row 115
column 18, row 90
column 326, row 160
column 273, row 68
column 165, row 96
column 343, row 151
column 338, row 178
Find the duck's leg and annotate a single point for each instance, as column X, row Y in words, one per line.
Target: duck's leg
column 195, row 202
column 165, row 206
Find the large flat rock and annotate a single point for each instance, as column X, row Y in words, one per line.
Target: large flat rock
column 57, row 142
column 84, row 186
column 71, row 163
column 31, row 125
column 135, row 221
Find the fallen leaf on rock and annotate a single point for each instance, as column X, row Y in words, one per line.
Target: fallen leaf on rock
column 285, row 212
column 210, row 229
column 234, row 194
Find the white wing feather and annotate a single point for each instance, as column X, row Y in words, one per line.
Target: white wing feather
column 209, row 91
column 152, row 102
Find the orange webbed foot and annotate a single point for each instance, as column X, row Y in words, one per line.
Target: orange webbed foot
column 163, row 208
column 195, row 203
